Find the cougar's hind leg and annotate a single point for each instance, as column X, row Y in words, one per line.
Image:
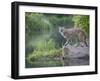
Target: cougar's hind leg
column 86, row 44
column 85, row 41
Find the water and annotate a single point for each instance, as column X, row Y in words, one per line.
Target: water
column 55, row 62
column 76, row 62
column 45, row 62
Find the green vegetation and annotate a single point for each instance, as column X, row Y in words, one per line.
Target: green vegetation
column 43, row 41
column 82, row 22
column 41, row 54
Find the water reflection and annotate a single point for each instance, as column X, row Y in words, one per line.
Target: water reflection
column 54, row 62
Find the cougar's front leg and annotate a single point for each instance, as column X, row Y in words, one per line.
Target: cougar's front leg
column 67, row 42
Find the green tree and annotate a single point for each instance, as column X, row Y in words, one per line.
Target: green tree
column 82, row 21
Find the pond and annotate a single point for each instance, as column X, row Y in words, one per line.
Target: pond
column 44, row 62
column 55, row 62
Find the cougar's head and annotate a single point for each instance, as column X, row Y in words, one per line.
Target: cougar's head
column 61, row 29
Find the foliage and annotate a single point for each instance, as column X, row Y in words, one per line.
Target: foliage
column 36, row 23
column 82, row 22
column 42, row 53
column 45, row 45
column 39, row 25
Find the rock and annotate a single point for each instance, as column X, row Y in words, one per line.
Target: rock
column 75, row 55
column 75, row 52
column 75, row 62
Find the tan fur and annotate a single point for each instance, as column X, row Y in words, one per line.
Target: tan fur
column 73, row 33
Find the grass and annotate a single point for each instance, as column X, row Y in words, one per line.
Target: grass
column 54, row 53
column 44, row 53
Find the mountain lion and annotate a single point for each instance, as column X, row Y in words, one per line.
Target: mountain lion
column 73, row 34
